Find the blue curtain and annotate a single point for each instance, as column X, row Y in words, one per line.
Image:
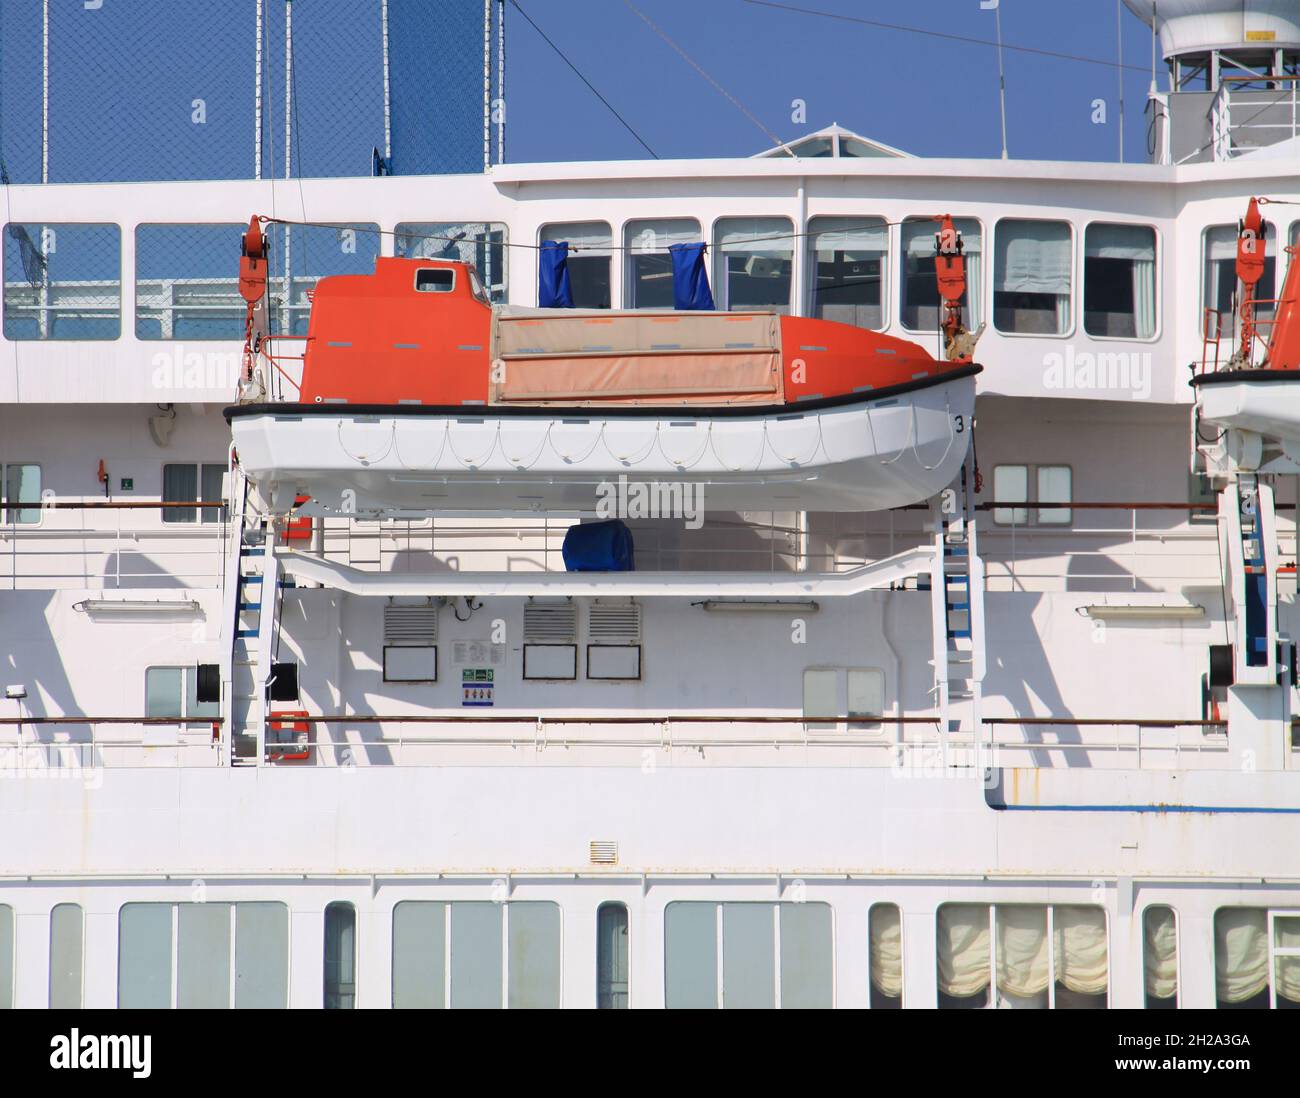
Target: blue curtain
column 553, row 289
column 690, row 277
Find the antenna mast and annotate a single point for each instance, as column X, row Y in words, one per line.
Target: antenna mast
column 1002, row 78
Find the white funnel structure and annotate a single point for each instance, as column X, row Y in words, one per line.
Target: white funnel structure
column 1199, row 26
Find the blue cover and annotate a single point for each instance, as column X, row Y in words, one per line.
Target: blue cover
column 599, row 547
column 690, row 277
column 553, row 289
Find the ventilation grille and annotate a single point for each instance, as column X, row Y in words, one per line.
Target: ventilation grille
column 614, row 623
column 410, row 625
column 550, row 623
column 604, row 852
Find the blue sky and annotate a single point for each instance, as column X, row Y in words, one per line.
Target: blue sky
column 927, row 95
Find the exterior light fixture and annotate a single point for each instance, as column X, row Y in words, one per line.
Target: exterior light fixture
column 1183, row 612
column 745, row 606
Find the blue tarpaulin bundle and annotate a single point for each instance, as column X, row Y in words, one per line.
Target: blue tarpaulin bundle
column 553, row 289
column 690, row 277
column 598, row 547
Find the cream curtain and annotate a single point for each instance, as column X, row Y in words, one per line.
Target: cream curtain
column 1033, row 257
column 1022, row 951
column 1160, row 956
column 963, row 940
column 886, row 950
column 1240, row 953
column 918, row 243
column 1287, row 931
column 1082, row 964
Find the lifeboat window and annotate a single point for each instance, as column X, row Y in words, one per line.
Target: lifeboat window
column 611, row 957
column 1257, row 958
column 1027, row 956
column 1119, row 281
column 66, row 943
column 435, row 280
column 589, row 260
column 885, row 959
column 1160, row 958
column 753, row 258
column 1031, row 277
column 185, row 284
column 1220, row 285
column 21, row 484
column 62, row 281
column 648, row 272
column 846, row 267
column 920, row 290
column 191, row 483
column 480, row 244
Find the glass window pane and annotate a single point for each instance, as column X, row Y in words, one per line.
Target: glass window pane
column 1286, row 948
column 65, row 956
column 589, row 267
column 180, row 485
column 691, row 956
column 261, row 956
column 807, row 958
column 1081, row 959
column 420, row 955
column 479, row 243
column 753, row 258
column 534, row 963
column 1219, row 280
column 866, row 692
column 1241, row 967
column 1055, row 485
column 6, row 957
column 193, row 707
column 846, row 267
column 22, row 485
column 748, row 956
column 1160, row 957
column 1011, row 485
column 144, row 957
column 476, row 955
column 301, row 255
column 340, row 956
column 821, row 695
column 203, row 956
column 187, row 284
column 611, row 957
column 1119, row 281
column 1031, row 277
column 211, row 491
column 964, row 960
column 919, row 288
column 62, row 281
column 886, row 956
column 162, row 687
column 1022, row 956
column 649, row 271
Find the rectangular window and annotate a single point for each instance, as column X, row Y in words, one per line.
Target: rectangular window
column 1011, row 485
column 188, row 483
column 6, row 957
column 1256, row 958
column 847, row 269
column 62, row 281
column 340, row 986
column 22, row 484
column 589, row 266
column 66, row 943
column 301, row 255
column 753, row 258
column 821, row 694
column 885, row 958
column 475, row 977
column 648, row 277
column 1119, row 281
column 755, row 941
column 1055, row 485
column 481, row 244
column 203, row 938
column 1160, row 958
column 611, row 957
column 187, row 284
column 1031, row 277
column 1219, row 282
column 1052, row 484
column 173, row 692
column 1035, row 957
column 920, row 289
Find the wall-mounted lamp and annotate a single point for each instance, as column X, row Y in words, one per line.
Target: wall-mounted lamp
column 1182, row 612
column 138, row 606
column 715, row 606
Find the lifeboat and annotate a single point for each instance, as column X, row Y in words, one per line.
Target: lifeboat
column 418, row 395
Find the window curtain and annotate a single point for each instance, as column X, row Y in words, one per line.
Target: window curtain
column 1160, row 957
column 1033, row 257
column 1082, row 965
column 1137, row 244
column 1221, row 267
column 1240, row 953
column 963, row 949
column 1022, row 954
column 918, row 243
column 886, row 950
column 1287, row 932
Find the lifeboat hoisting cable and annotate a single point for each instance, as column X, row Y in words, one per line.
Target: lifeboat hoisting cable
column 252, row 288
column 950, row 272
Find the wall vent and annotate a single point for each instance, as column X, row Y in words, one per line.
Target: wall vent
column 550, row 623
column 410, row 624
column 614, row 623
column 604, row 852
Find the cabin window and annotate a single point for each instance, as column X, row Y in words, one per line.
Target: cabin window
column 832, row 693
column 1119, row 281
column 435, row 280
column 340, row 988
column 190, row 483
column 226, row 954
column 611, row 957
column 589, row 261
column 301, row 255
column 66, row 941
column 846, row 267
column 480, row 933
column 62, row 281
column 481, row 244
column 1220, row 285
column 1027, row 956
column 1031, row 277
column 752, row 262
column 648, row 277
column 1256, row 958
column 172, row 692
column 1053, row 484
column 919, row 287
column 886, row 956
column 6, row 957
column 22, row 484
column 1160, row 957
column 756, row 941
column 187, row 285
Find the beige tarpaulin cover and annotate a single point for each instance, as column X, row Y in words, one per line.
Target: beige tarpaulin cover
column 546, row 356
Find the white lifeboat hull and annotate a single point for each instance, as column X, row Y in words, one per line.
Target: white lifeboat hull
column 872, row 454
column 1265, row 402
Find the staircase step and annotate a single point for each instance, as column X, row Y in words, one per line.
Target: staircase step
column 250, row 577
column 249, row 606
column 244, row 634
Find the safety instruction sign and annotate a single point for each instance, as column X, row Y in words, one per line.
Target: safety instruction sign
column 476, row 686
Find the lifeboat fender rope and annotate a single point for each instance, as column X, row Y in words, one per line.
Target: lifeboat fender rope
column 366, row 459
column 790, row 460
column 478, row 462
column 909, row 441
column 431, row 464
column 520, row 463
column 952, row 437
column 570, row 460
column 699, row 453
column 628, row 459
column 744, row 468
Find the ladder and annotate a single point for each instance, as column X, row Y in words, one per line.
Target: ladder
column 957, row 612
